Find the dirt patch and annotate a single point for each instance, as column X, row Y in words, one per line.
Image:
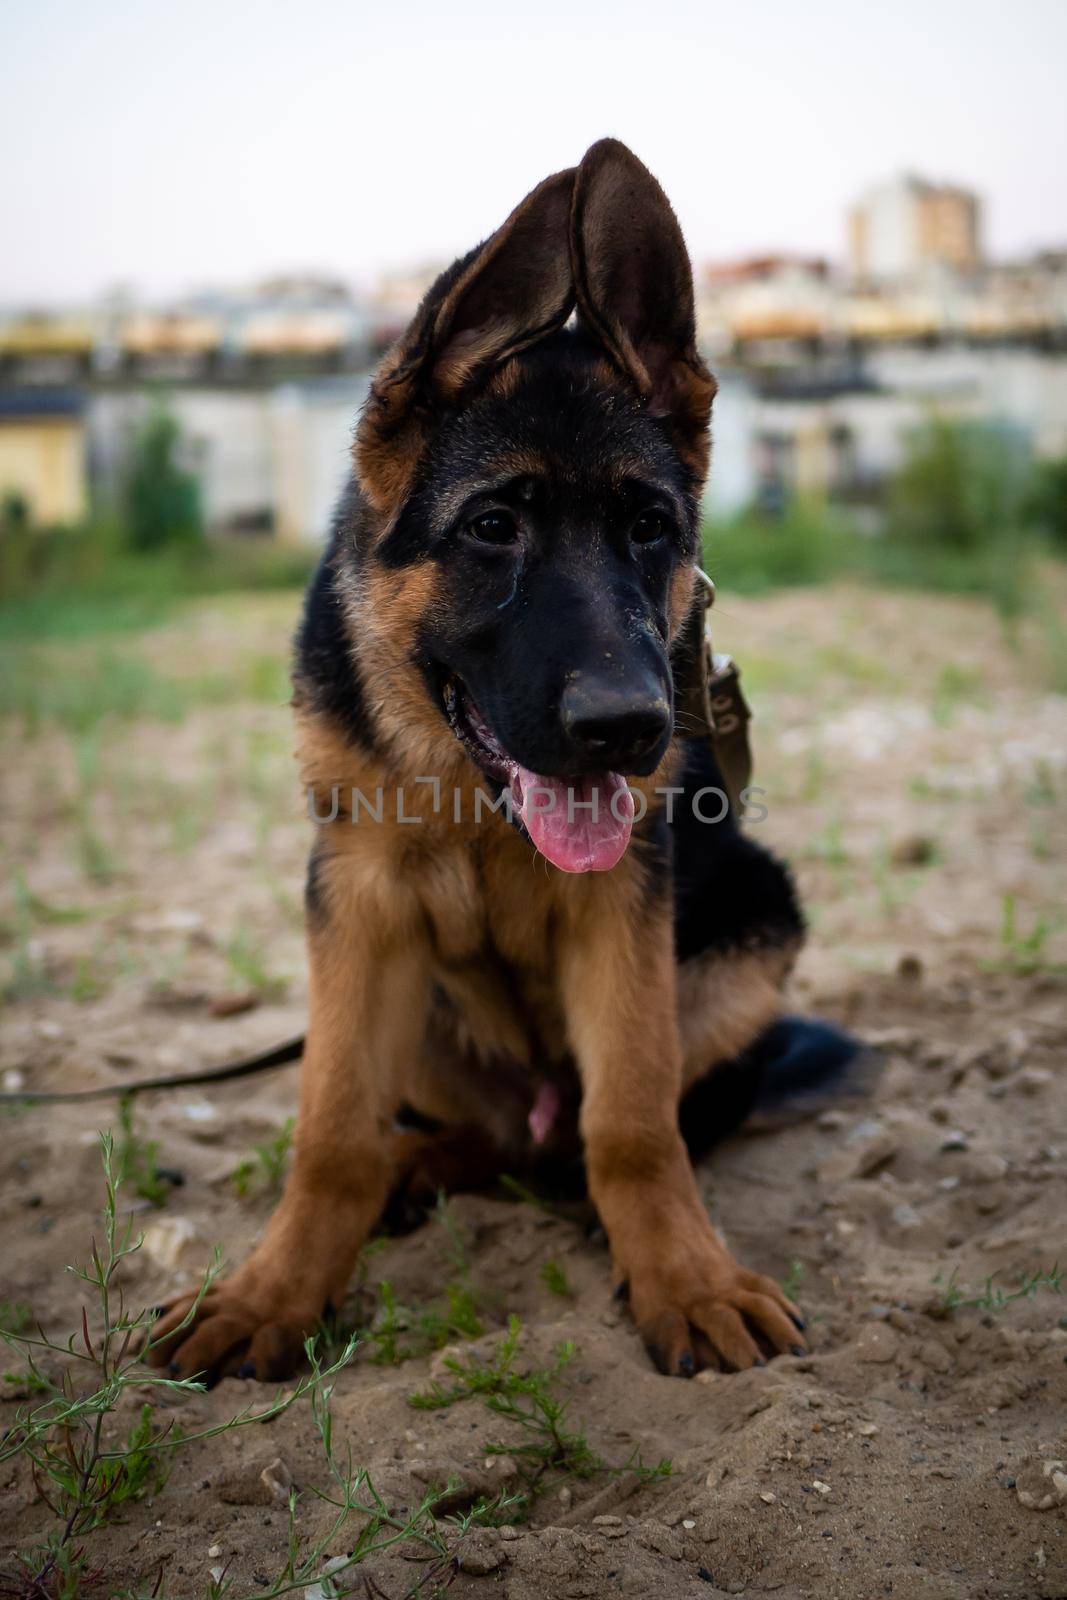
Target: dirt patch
column 915, row 771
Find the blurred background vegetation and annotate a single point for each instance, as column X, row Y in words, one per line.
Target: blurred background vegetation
column 968, row 511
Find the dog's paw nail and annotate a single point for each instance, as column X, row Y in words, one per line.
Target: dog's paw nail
column 759, row 1362
column 797, row 1350
column 686, row 1364
column 174, row 1370
column 247, row 1369
column 798, row 1322
column 621, row 1291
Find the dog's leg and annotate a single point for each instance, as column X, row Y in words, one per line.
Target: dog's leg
column 690, row 1298
column 367, row 1016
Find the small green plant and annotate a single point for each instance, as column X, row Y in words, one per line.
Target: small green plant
column 86, row 1469
column 397, row 1333
column 545, row 1448
column 136, row 1159
column 521, row 1193
column 15, row 1316
column 29, row 975
column 66, row 1437
column 264, row 1169
column 247, row 960
column 555, row 1279
column 352, row 1496
column 1024, row 952
column 523, row 1398
column 992, row 1297
column 793, row 1281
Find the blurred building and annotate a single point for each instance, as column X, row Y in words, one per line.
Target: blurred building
column 765, row 298
column 902, row 228
column 822, row 371
column 43, row 452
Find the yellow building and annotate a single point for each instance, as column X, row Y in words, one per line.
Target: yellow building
column 42, row 452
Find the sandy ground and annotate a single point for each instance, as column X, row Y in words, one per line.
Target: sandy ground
column 916, row 771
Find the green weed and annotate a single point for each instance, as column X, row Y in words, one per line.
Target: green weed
column 83, row 1477
column 86, row 1470
column 993, row 1298
column 1024, row 951
column 793, row 1281
column 544, row 1445
column 247, row 959
column 136, row 1159
column 555, row 1279
column 264, row 1170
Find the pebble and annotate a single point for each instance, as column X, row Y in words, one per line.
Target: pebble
column 985, row 1166
column 867, row 1147
column 323, row 1590
column 904, row 1216
column 166, row 1240
column 914, row 850
column 867, row 1430
column 877, row 1343
column 820, row 1487
column 256, row 1483
column 480, row 1556
column 769, row 1498
column 277, row 1480
column 214, row 1551
column 935, row 1356
column 956, row 1140
column 1031, row 1080
column 1041, row 1485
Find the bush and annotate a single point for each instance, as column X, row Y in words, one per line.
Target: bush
column 160, row 499
column 956, row 514
column 961, row 488
column 756, row 551
column 1046, row 504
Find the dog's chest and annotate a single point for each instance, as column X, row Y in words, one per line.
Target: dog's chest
column 497, row 893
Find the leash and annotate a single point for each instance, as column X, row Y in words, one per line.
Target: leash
column 711, row 703
column 280, row 1055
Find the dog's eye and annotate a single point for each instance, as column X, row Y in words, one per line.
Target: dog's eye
column 492, row 527
column 649, row 527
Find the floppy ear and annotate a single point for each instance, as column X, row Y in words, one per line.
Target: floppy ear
column 511, row 291
column 634, row 287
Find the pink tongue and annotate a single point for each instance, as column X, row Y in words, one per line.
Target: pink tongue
column 580, row 824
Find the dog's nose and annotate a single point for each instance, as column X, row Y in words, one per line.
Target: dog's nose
column 615, row 725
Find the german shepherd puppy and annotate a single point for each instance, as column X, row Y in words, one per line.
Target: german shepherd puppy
column 520, row 926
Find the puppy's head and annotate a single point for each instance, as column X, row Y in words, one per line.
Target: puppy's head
column 533, row 482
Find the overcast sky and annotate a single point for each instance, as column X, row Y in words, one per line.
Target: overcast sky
column 165, row 147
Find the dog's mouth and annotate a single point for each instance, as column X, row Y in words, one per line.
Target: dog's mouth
column 580, row 824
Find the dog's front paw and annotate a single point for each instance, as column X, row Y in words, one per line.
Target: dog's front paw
column 243, row 1328
column 700, row 1308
